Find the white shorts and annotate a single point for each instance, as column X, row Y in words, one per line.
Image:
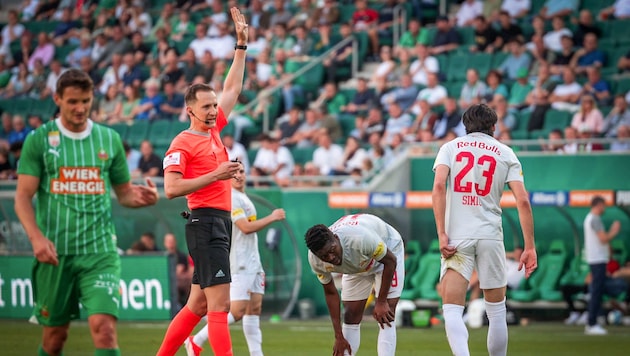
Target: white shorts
column 243, row 284
column 487, row 256
column 359, row 286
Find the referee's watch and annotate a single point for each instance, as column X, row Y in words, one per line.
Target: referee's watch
column 237, row 46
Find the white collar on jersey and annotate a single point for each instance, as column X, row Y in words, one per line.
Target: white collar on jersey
column 75, row 135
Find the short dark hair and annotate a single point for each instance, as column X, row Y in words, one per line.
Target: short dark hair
column 191, row 93
column 317, row 237
column 598, row 199
column 74, row 78
column 479, row 118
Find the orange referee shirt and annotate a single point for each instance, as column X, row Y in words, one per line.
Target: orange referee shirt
column 194, row 154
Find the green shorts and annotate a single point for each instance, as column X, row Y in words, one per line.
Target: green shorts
column 92, row 280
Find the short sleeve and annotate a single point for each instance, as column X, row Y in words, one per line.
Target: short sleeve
column 515, row 170
column 443, row 157
column 596, row 224
column 175, row 159
column 323, row 276
column 372, row 245
column 238, row 211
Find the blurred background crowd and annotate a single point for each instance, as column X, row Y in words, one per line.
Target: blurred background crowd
column 380, row 75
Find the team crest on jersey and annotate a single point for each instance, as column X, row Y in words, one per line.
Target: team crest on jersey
column 102, row 154
column 54, row 139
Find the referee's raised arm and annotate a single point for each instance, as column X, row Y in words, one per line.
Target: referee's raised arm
column 234, row 80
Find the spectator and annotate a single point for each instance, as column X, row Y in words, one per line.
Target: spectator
column 378, row 154
column 362, row 100
column 328, row 155
column 330, row 100
column 272, row 160
column 222, row 45
column 235, row 150
column 149, row 106
column 150, row 164
column 539, row 27
column 280, row 40
column 364, row 17
column 617, row 117
column 19, row 85
column 165, row 20
column 398, row 122
column 38, row 89
column 620, row 10
column 172, row 73
column 146, row 243
column 84, row 50
column 446, row 38
column 570, row 135
column 130, row 104
column 554, row 142
column 256, row 16
column 597, row 87
column 99, row 47
column 303, row 43
column 494, row 85
column 424, row 122
column 624, row 62
column 327, row 14
column 65, row 31
column 201, row 43
column 516, row 60
column 566, row 94
column 508, row 30
column 133, row 157
column 12, row 30
column 28, row 8
column 563, row 58
column 383, row 73
column 19, row 130
column 118, row 44
column 173, row 102
column 6, row 169
column 434, row 93
column 183, row 272
column 415, row 35
column 341, row 58
column 553, row 38
column 519, row 91
column 56, row 70
column 132, row 73
column 307, row 133
column 383, row 28
column 45, row 51
column 449, row 121
column 473, row 90
column 303, row 16
column 561, row 8
column 373, row 123
column 486, row 38
column 280, row 14
column 34, row 121
column 108, row 107
column 423, row 65
column 288, row 128
column 468, row 11
column 329, row 125
column 404, row 95
column 516, row 9
column 353, row 157
column 506, row 121
column 588, row 56
column 541, row 55
column 622, row 144
column 584, row 25
column 589, row 118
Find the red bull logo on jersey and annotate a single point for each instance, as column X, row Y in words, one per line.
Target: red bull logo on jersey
column 78, row 180
column 480, row 145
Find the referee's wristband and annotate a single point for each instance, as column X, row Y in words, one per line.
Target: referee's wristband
column 244, row 48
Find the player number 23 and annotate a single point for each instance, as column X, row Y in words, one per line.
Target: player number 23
column 488, row 163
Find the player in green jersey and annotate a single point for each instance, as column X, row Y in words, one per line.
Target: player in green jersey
column 72, row 164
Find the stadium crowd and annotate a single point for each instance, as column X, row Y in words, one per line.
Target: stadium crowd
column 551, row 69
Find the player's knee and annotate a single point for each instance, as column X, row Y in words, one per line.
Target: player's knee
column 104, row 333
column 54, row 341
column 198, row 308
column 352, row 316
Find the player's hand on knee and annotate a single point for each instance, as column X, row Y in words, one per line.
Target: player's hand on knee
column 383, row 314
column 341, row 346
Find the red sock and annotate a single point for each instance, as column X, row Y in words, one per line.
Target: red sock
column 181, row 326
column 219, row 334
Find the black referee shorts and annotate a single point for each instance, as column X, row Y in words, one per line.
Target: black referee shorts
column 209, row 236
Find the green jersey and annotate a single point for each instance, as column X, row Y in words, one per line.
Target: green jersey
column 76, row 172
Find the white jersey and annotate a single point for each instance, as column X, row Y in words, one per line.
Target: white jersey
column 365, row 240
column 480, row 166
column 596, row 251
column 244, row 256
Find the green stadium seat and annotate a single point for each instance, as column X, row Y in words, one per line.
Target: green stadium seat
column 62, row 52
column 594, row 6
column 457, row 64
column 619, row 251
column 544, row 281
column 137, row 132
column 468, row 35
column 178, row 126
column 554, row 119
column 498, row 58
column 442, row 62
column 122, row 129
column 577, row 272
column 622, row 86
column 413, row 252
column 426, row 276
column 160, row 133
column 345, row 12
column 482, row 62
column 454, row 88
column 251, row 155
column 347, row 123
column 301, row 155
column 616, row 28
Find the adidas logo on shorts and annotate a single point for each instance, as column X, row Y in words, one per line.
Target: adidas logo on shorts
column 220, row 274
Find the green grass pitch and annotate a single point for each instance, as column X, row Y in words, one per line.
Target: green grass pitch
column 306, row 338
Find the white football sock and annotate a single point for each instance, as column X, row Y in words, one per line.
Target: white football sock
column 456, row 331
column 253, row 334
column 201, row 336
column 231, row 319
column 498, row 330
column 352, row 333
column 387, row 340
